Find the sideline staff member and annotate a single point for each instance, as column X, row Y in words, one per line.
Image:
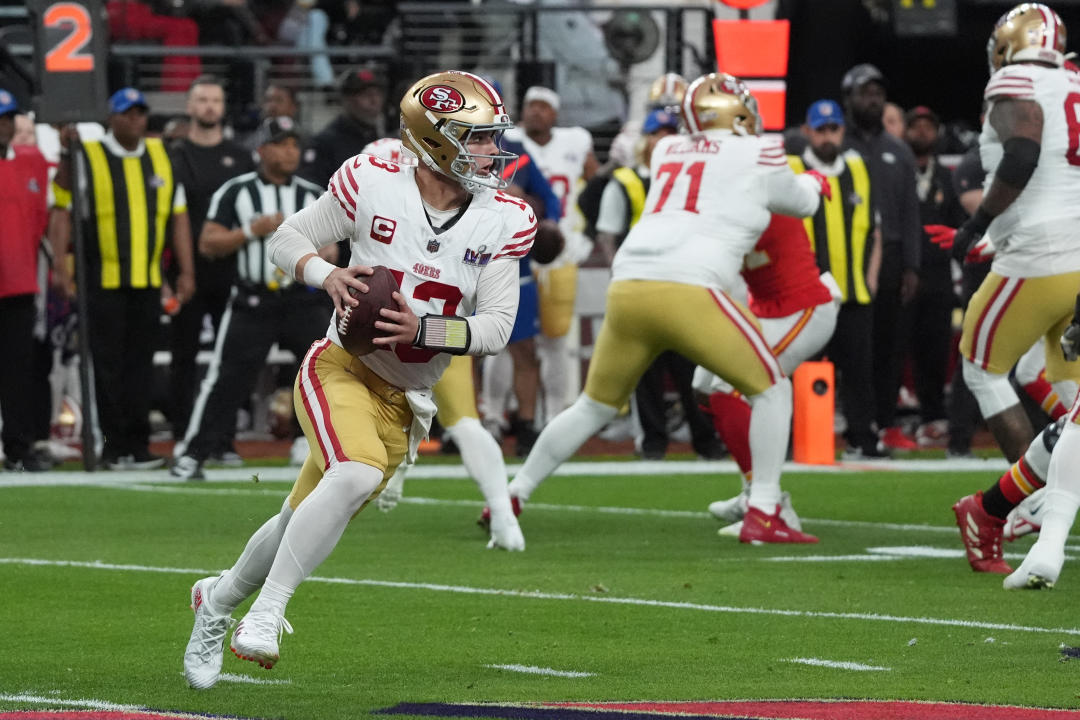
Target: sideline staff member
column 132, row 198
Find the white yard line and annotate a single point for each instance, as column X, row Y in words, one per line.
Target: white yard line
column 436, row 472
column 248, row 680
column 837, row 664
column 570, row 597
column 533, row 670
column 83, row 703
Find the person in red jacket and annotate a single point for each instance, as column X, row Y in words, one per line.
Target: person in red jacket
column 24, row 207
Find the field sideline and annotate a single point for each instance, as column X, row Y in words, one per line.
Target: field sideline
column 625, row 593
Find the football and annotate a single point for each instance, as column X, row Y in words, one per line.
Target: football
column 548, row 242
column 356, row 327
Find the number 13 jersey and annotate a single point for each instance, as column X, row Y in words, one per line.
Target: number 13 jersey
column 1039, row 234
column 438, row 273
column 710, row 199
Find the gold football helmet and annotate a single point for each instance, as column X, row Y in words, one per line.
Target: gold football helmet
column 719, row 101
column 439, row 115
column 1029, row 32
column 667, row 92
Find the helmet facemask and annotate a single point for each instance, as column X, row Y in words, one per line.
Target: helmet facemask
column 441, row 117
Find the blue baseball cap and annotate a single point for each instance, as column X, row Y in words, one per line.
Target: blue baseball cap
column 659, row 119
column 126, row 98
column 7, row 102
column 825, row 112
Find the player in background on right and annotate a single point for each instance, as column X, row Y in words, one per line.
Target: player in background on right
column 797, row 307
column 1031, row 212
column 1042, row 565
column 710, row 199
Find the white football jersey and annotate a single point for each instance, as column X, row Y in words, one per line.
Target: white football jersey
column 437, row 273
column 562, row 161
column 390, row 148
column 1039, row 234
column 709, row 201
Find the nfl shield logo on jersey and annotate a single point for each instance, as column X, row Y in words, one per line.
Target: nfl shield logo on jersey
column 433, row 245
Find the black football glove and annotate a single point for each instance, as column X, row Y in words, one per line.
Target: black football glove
column 1070, row 339
column 969, row 233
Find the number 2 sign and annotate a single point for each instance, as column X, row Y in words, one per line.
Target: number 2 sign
column 69, row 57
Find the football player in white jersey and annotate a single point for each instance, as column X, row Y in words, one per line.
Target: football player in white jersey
column 452, row 241
column 710, row 199
column 1029, row 149
column 565, row 156
column 455, row 396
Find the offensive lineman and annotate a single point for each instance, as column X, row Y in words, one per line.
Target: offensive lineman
column 710, row 199
column 1030, row 210
column 452, row 241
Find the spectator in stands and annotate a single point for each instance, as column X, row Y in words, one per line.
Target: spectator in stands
column 851, row 250
column 132, row 21
column 893, row 120
column 359, row 23
column 932, row 307
column 279, row 100
column 23, row 188
column 304, row 27
column 363, row 101
column 621, row 205
column 892, row 181
column 124, row 245
column 266, row 306
column 202, row 161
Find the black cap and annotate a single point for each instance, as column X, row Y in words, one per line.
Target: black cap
column 921, row 111
column 359, row 79
column 859, row 75
column 276, row 129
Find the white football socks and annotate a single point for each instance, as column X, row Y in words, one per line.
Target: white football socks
column 770, row 430
column 483, row 460
column 554, row 371
column 497, row 382
column 1062, row 490
column 560, row 439
column 315, row 529
column 249, row 572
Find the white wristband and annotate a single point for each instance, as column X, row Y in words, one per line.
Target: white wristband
column 316, row 270
column 246, row 229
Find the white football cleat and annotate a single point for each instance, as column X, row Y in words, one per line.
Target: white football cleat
column 395, row 487
column 733, row 509
column 1027, row 517
column 206, row 648
column 506, row 534
column 257, row 635
column 733, row 530
column 1040, row 569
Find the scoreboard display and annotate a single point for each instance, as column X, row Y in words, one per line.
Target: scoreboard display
column 70, row 46
column 924, row 18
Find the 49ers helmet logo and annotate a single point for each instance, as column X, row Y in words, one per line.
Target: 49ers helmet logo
column 441, row 98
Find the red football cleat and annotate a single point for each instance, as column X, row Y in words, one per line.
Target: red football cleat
column 895, row 439
column 484, row 520
column 982, row 535
column 759, row 528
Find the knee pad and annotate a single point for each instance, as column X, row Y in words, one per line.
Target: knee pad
column 350, row 484
column 993, row 392
column 595, row 410
column 779, row 393
column 1042, row 448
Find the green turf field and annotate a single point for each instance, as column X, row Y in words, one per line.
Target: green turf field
column 624, row 593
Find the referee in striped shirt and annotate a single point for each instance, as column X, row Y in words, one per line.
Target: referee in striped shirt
column 265, row 306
